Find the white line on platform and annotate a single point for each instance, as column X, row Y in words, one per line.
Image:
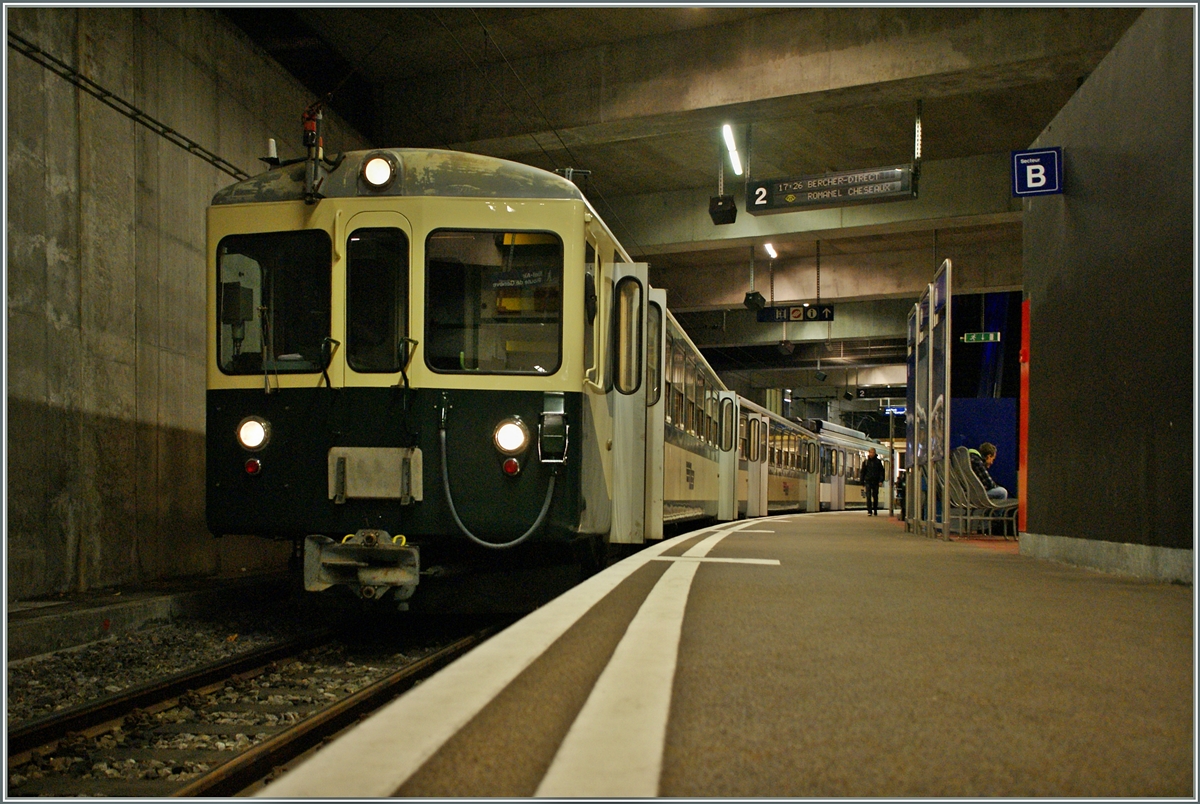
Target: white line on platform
column 615, row 745
column 774, row 562
column 380, row 754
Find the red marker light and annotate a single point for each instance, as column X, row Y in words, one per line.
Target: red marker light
column 511, row 467
column 253, row 466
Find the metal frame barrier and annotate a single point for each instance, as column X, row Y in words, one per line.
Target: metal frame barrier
column 928, row 422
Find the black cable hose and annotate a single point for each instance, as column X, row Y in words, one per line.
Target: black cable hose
column 483, row 542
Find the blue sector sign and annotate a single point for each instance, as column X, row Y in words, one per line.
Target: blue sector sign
column 1037, row 172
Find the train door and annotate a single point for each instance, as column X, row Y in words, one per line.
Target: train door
column 629, row 404
column 812, row 465
column 756, row 464
column 727, row 460
column 656, row 410
column 837, row 483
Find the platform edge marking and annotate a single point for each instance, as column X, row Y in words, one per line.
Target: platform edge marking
column 376, row 757
column 615, row 745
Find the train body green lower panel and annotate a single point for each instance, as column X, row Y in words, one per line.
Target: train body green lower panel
column 298, row 490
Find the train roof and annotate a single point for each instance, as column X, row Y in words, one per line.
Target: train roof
column 421, row 172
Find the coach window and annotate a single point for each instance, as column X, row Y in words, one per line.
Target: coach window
column 376, row 300
column 654, row 351
column 727, row 425
column 273, row 301
column 493, row 302
column 628, row 334
column 681, row 380
column 591, row 307
column 690, row 369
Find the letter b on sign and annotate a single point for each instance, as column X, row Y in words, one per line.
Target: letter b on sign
column 1037, row 172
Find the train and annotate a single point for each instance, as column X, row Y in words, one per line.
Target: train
column 427, row 364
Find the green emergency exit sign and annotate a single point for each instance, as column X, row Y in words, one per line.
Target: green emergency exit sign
column 981, row 337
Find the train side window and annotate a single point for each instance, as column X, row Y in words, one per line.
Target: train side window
column 679, row 370
column 376, row 300
column 690, row 369
column 762, row 435
column 742, row 436
column 493, row 301
column 755, row 426
column 669, row 377
column 727, row 425
column 591, row 308
column 654, row 350
column 287, row 275
column 627, row 347
column 701, row 404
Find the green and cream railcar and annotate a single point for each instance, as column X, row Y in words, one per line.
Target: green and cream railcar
column 416, row 357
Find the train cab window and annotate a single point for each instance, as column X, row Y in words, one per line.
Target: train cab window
column 654, row 350
column 493, row 302
column 376, row 300
column 273, row 301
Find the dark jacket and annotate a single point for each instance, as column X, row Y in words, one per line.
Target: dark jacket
column 872, row 471
column 980, row 469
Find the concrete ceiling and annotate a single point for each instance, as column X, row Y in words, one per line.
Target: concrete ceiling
column 637, row 97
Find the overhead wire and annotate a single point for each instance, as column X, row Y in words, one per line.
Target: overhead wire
column 488, row 34
column 491, row 84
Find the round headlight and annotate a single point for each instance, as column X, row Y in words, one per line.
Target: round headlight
column 511, row 436
column 377, row 172
column 253, row 433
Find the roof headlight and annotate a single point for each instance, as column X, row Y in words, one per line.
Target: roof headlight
column 254, row 433
column 511, row 436
column 378, row 171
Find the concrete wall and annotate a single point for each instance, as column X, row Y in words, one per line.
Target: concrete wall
column 106, row 296
column 1109, row 278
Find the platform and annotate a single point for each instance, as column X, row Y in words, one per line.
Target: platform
column 812, row 655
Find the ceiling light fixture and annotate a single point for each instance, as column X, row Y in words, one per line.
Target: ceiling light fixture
column 727, row 130
column 770, row 250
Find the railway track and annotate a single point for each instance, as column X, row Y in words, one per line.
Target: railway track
column 219, row 729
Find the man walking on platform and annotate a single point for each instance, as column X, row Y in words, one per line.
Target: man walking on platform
column 871, row 476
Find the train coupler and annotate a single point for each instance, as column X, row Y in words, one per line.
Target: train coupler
column 370, row 562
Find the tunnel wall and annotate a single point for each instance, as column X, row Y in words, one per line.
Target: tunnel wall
column 106, row 296
column 1109, row 279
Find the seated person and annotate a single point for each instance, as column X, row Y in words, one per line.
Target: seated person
column 981, row 461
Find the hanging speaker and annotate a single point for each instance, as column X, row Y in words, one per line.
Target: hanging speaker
column 722, row 209
column 754, row 300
